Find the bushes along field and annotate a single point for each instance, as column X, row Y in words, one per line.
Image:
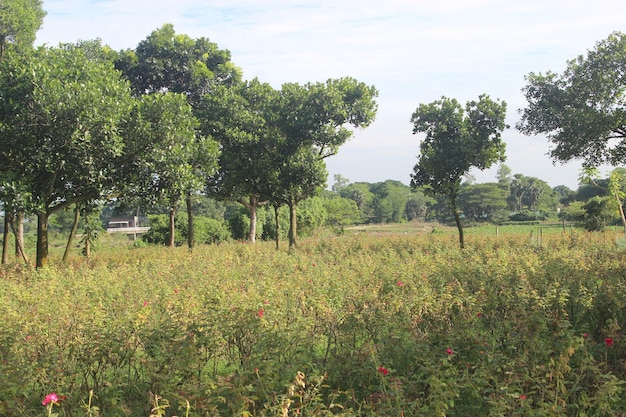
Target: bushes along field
column 353, row 326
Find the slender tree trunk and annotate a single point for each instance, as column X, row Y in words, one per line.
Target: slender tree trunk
column 190, row 235
column 87, row 248
column 70, row 239
column 42, row 239
column 292, row 224
column 5, row 241
column 277, row 224
column 457, row 219
column 16, row 226
column 254, row 201
column 18, row 231
column 170, row 242
column 621, row 212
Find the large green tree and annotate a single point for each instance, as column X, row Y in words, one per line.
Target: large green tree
column 582, row 111
column 168, row 62
column 162, row 146
column 483, row 202
column 19, row 22
column 60, row 116
column 456, row 140
column 242, row 119
column 316, row 119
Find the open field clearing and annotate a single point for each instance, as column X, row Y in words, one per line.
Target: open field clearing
column 359, row 325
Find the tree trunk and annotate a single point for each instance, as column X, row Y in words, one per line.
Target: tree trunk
column 621, row 212
column 457, row 219
column 5, row 241
column 254, row 201
column 170, row 242
column 70, row 239
column 190, row 235
column 42, row 239
column 277, row 224
column 87, row 248
column 292, row 224
column 18, row 231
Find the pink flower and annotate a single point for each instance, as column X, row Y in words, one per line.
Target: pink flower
column 608, row 341
column 383, row 370
column 400, row 283
column 449, row 351
column 145, row 303
column 585, row 335
column 50, row 398
column 522, row 397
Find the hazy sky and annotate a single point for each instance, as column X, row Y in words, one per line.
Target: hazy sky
column 412, row 51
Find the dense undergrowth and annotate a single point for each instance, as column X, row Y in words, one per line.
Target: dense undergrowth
column 353, row 326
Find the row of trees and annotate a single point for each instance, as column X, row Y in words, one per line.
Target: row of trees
column 81, row 124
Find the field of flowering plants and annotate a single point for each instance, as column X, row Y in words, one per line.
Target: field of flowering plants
column 361, row 325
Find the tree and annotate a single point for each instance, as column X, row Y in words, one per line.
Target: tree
column 19, row 22
column 417, row 205
column 615, row 189
column 389, row 203
column 302, row 175
column 160, row 153
column 315, row 121
column 456, row 140
column 60, row 118
column 582, row 110
column 504, row 175
column 169, row 62
column 241, row 118
column 483, row 202
column 340, row 183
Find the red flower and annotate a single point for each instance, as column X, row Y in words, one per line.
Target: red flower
column 608, row 341
column 50, row 398
column 145, row 303
column 383, row 370
column 261, row 313
column 522, row 397
column 450, row 351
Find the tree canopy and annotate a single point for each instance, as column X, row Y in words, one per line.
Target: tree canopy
column 19, row 22
column 60, row 117
column 582, row 111
column 456, row 140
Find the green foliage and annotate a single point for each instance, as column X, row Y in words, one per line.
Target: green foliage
column 353, row 326
column 457, row 139
column 341, row 212
column 206, row 230
column 581, row 110
column 19, row 22
column 595, row 214
column 61, row 113
column 312, row 214
column 483, row 202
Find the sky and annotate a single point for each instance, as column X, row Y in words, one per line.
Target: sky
column 412, row 51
